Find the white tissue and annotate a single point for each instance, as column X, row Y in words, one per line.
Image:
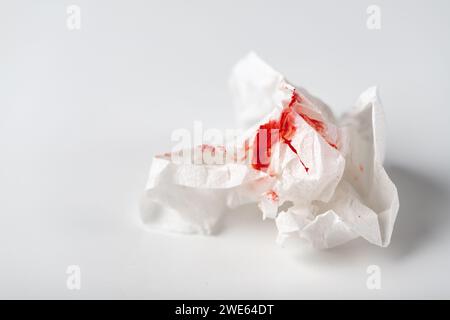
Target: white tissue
column 328, row 174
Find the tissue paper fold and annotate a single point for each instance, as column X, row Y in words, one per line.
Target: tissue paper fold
column 318, row 178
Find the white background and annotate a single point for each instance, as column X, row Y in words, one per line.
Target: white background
column 82, row 113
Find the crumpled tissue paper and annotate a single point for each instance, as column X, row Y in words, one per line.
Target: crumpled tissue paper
column 318, row 178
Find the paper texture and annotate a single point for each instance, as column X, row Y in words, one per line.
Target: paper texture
column 318, row 178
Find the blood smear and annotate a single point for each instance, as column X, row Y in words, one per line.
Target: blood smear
column 283, row 130
column 272, row 195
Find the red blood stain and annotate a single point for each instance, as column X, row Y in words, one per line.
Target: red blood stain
column 262, row 148
column 272, row 195
column 207, row 147
column 361, row 168
column 266, row 137
column 219, row 153
column 294, row 99
column 287, row 129
column 320, row 127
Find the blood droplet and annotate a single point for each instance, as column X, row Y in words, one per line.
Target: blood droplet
column 272, row 195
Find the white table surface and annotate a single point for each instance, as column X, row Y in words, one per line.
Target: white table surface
column 82, row 112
